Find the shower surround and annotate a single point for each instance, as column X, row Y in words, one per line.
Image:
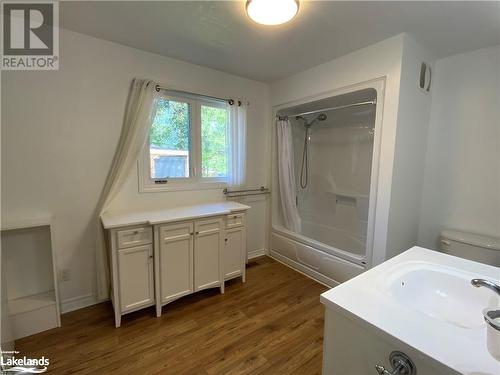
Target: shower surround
column 321, row 207
column 334, row 204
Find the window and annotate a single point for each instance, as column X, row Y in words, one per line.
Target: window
column 188, row 144
column 169, row 140
column 214, row 141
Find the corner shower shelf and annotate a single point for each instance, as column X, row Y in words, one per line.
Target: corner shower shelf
column 357, row 200
column 346, row 196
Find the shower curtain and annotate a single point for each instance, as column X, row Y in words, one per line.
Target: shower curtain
column 286, row 176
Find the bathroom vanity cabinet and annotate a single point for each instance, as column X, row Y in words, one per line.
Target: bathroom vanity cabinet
column 158, row 257
column 352, row 348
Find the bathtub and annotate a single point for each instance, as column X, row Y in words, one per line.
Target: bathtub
column 322, row 262
column 335, row 238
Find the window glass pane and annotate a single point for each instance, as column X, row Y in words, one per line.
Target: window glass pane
column 214, row 141
column 169, row 140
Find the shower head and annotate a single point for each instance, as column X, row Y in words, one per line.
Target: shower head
column 320, row 117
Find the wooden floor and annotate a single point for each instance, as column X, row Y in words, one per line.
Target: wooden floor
column 272, row 324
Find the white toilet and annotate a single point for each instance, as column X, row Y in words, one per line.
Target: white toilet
column 471, row 246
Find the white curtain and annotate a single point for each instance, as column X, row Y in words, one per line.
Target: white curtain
column 286, row 176
column 138, row 117
column 237, row 143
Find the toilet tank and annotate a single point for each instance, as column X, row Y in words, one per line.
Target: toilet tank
column 476, row 247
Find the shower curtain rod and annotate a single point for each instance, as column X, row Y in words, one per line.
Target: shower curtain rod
column 284, row 117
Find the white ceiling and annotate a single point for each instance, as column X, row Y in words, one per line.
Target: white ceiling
column 218, row 34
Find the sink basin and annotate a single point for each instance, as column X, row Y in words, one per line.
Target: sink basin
column 424, row 299
column 440, row 292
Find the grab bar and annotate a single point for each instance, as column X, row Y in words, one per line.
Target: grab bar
column 245, row 192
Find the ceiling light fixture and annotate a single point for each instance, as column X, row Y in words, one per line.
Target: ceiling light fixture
column 272, row 12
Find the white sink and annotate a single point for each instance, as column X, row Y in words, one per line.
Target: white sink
column 440, row 292
column 425, row 300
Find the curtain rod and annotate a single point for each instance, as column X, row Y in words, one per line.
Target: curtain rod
column 158, row 88
column 284, row 117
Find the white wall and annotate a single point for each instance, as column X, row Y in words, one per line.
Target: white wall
column 60, row 130
column 462, row 175
column 381, row 60
column 409, row 155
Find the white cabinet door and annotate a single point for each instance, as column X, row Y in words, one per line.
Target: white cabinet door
column 234, row 252
column 135, row 272
column 176, row 261
column 207, row 253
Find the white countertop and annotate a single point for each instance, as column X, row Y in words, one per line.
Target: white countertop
column 124, row 218
column 462, row 349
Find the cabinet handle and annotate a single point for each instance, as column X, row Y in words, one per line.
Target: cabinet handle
column 225, row 239
column 197, row 232
column 150, row 257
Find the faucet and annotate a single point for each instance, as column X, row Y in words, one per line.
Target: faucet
column 486, row 283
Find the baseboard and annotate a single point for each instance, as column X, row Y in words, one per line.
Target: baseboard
column 76, row 303
column 257, row 253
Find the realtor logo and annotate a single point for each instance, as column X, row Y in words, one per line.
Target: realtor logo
column 30, row 36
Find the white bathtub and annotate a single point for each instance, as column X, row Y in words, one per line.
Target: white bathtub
column 335, row 238
column 318, row 260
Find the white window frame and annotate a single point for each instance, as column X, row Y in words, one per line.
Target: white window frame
column 195, row 181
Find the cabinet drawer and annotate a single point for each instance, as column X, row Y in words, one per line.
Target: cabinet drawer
column 134, row 237
column 175, row 231
column 207, row 226
column 235, row 220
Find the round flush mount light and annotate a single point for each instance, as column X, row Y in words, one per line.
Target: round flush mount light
column 272, row 12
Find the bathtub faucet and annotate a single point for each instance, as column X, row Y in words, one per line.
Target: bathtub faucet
column 486, row 283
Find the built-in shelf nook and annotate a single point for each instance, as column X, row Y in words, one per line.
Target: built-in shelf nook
column 31, row 276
